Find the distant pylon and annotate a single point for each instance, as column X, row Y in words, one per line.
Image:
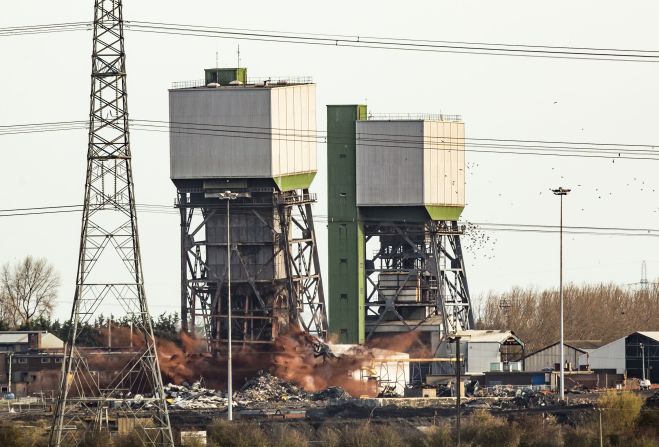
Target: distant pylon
column 123, row 382
column 645, row 285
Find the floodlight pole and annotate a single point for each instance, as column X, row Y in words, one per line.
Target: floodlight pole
column 229, row 196
column 642, row 359
column 561, row 192
column 458, row 390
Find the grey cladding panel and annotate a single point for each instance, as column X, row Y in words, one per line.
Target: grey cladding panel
column 389, row 163
column 218, row 133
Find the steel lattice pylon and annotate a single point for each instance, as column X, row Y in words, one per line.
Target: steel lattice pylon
column 110, row 268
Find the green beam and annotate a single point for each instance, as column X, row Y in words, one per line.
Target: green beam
column 295, row 181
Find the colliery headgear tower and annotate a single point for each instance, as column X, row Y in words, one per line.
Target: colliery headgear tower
column 257, row 139
column 396, row 187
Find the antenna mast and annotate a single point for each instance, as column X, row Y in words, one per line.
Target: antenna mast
column 99, row 382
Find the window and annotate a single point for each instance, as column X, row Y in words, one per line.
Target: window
column 21, row 360
column 45, row 359
column 58, row 359
column 344, row 296
column 342, row 155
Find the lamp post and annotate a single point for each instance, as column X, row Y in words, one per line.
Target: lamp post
column 560, row 191
column 456, row 339
column 229, row 196
column 642, row 360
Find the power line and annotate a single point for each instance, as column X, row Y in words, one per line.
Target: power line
column 405, row 44
column 356, row 41
column 622, row 151
column 480, row 226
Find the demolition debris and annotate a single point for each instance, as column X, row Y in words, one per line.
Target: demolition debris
column 262, row 389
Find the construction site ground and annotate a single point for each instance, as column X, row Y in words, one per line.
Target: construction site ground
column 416, row 412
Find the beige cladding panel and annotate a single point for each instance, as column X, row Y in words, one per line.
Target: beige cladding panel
column 242, row 132
column 293, row 110
column 389, row 163
column 444, row 166
column 410, row 163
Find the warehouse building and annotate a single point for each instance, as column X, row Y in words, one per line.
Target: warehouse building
column 487, row 350
column 626, row 355
column 549, row 357
column 30, row 362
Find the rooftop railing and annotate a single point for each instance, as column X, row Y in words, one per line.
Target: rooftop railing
column 413, row 116
column 269, row 80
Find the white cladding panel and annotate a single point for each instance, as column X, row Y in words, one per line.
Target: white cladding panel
column 389, row 163
column 412, row 162
column 608, row 357
column 480, row 355
column 293, row 111
column 444, row 166
column 242, row 132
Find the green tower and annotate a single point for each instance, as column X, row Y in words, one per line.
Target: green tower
column 396, row 188
column 346, row 236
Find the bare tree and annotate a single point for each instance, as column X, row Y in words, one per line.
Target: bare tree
column 598, row 312
column 27, row 291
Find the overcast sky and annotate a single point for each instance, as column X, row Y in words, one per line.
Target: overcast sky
column 46, row 78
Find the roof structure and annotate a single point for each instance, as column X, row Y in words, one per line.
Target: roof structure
column 584, row 344
column 48, row 340
column 13, row 337
column 490, row 336
column 650, row 334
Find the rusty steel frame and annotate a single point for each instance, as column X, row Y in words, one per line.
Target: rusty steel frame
column 299, row 294
column 429, row 250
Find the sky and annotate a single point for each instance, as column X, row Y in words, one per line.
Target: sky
column 46, row 77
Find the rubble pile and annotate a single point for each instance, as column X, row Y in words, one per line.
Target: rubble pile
column 653, row 401
column 526, row 398
column 260, row 391
column 194, row 397
column 265, row 387
column 509, row 399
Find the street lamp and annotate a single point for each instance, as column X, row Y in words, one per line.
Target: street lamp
column 229, row 196
column 560, row 191
column 455, row 338
column 642, row 360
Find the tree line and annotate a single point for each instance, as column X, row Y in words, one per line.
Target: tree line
column 28, row 293
column 601, row 312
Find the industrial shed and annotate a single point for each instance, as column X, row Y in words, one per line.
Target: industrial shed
column 625, row 355
column 549, row 357
column 488, row 350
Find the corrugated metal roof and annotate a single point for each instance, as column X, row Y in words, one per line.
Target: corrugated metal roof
column 484, row 336
column 584, row 344
column 566, row 344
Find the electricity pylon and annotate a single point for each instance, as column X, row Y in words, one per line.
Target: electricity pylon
column 121, row 382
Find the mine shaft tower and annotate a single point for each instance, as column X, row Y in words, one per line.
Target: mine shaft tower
column 97, row 385
column 256, row 138
column 395, row 193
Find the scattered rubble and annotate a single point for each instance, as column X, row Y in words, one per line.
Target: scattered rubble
column 264, row 388
column 194, row 397
column 653, row 401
